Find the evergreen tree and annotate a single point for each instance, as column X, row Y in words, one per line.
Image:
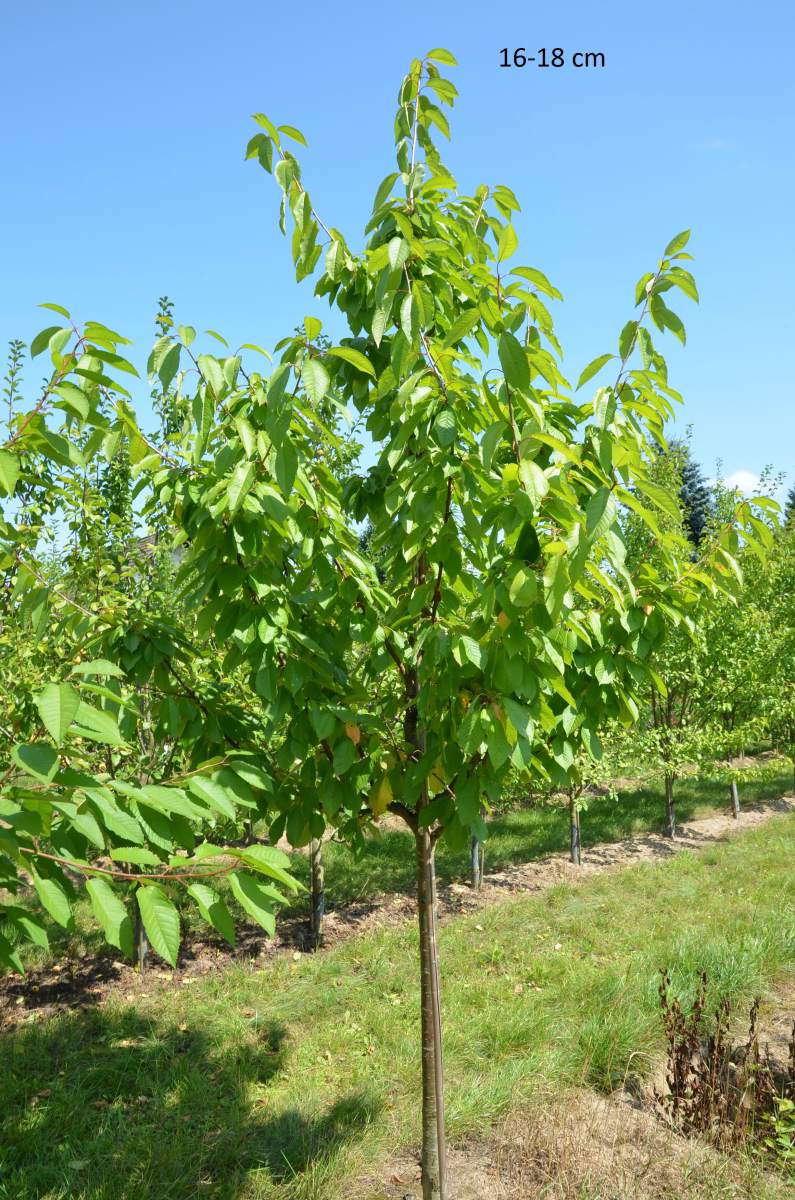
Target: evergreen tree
column 789, row 507
column 694, row 492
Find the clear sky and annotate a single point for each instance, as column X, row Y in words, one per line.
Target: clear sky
column 123, row 129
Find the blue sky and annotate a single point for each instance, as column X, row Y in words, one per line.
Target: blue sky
column 123, row 129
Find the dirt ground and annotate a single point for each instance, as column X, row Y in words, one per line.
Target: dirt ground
column 583, row 1146
column 617, row 1147
column 87, row 981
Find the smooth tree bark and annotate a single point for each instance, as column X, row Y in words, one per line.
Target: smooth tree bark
column 317, row 891
column 433, row 1130
column 574, row 826
column 735, row 799
column 141, row 943
column 670, row 807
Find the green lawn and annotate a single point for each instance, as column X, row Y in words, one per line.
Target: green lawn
column 288, row 1083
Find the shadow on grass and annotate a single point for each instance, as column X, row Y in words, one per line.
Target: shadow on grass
column 526, row 833
column 113, row 1106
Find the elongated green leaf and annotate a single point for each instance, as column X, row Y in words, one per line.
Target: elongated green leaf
column 138, row 855
column 9, row 472
column 53, row 896
column 213, row 795
column 214, row 910
column 507, row 244
column 593, row 368
column 513, row 360
column 257, row 899
column 161, row 921
column 268, row 860
column 98, row 725
column 38, row 759
column 677, row 243
column 315, row 379
column 58, row 705
column 111, row 912
column 98, row 666
column 354, row 357
column 441, row 55
column 240, row 485
column 600, row 513
column 42, row 340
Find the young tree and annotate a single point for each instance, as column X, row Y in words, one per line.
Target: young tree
column 414, row 681
column 413, row 678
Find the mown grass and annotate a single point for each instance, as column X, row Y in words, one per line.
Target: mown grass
column 288, row 1083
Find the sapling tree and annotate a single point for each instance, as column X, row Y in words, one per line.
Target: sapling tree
column 413, row 678
column 67, row 804
column 412, row 674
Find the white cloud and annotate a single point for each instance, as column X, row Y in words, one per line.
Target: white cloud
column 746, row 482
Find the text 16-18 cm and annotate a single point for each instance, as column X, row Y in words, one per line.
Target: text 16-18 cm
column 555, row 57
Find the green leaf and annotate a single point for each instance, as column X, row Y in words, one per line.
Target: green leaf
column 540, row 280
column 441, row 55
column 64, row 312
column 677, row 243
column 626, row 340
column 593, row 368
column 9, row 472
column 214, row 910
column 315, row 379
column 471, row 651
column 9, row 956
column 513, row 360
column 269, row 860
column 161, row 921
column 354, row 357
column 507, row 243
column 384, row 188
column 535, row 481
column 523, row 588
column 397, row 252
column 293, row 133
column 600, row 513
column 445, row 427
column 213, row 795
column 240, row 484
column 98, row 666
column 42, row 340
column 212, row 373
column 138, row 855
column 111, row 912
column 464, row 323
column 58, row 704
column 38, row 759
column 256, row 899
column 98, row 725
column 54, row 898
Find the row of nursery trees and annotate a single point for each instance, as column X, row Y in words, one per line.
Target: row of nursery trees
column 256, row 662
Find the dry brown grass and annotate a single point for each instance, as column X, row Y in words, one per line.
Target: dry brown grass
column 583, row 1146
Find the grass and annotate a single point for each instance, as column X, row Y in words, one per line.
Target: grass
column 290, row 1082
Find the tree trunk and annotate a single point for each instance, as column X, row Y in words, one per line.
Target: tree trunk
column 433, row 1136
column 574, row 823
column 141, row 943
column 317, row 890
column 735, row 800
column 476, row 859
column 670, row 807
